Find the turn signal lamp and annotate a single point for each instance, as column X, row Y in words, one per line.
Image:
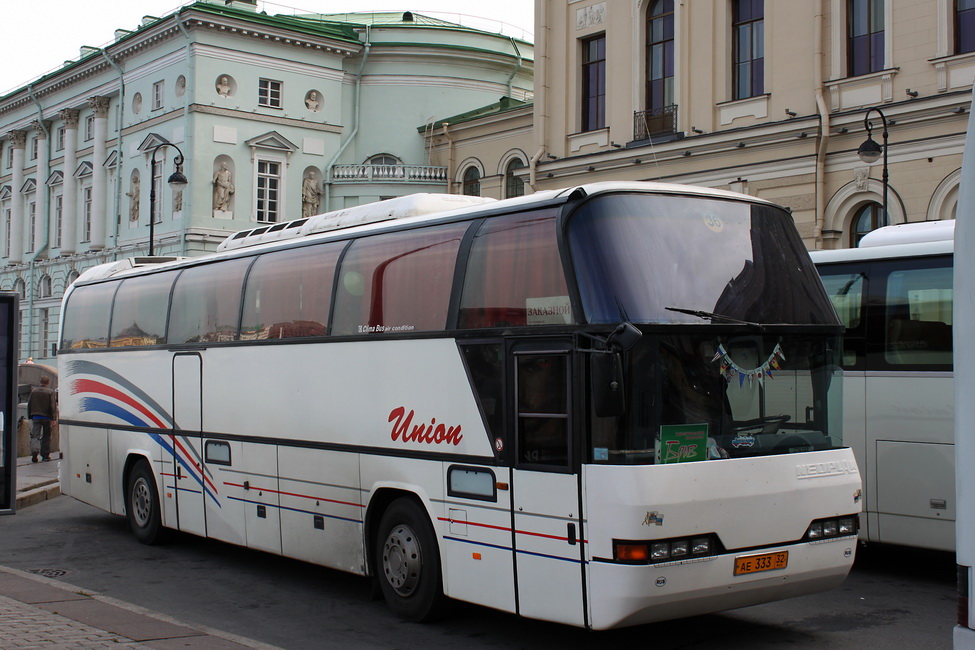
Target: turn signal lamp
column 665, row 550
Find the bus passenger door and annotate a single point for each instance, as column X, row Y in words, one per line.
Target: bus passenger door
column 192, row 484
column 547, row 516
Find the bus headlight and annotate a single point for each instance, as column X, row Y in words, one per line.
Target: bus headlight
column 832, row 527
column 665, row 550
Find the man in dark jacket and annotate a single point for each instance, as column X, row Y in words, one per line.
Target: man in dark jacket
column 42, row 408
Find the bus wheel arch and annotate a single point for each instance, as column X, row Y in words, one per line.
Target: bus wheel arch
column 405, row 556
column 143, row 506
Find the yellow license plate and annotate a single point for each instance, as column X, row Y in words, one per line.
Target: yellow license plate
column 763, row 562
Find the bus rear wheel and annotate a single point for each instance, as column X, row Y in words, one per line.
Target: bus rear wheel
column 408, row 562
column 142, row 506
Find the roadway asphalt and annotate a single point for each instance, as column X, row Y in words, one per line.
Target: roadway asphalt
column 40, row 612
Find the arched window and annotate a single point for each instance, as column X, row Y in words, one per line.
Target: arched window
column 513, row 186
column 44, row 287
column 385, row 166
column 868, row 218
column 72, row 276
column 21, row 288
column 472, row 181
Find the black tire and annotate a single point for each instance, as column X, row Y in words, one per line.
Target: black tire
column 142, row 506
column 407, row 563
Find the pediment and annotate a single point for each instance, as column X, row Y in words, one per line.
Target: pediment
column 152, row 141
column 84, row 169
column 56, row 178
column 29, row 186
column 273, row 141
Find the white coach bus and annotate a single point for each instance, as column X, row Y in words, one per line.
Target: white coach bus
column 894, row 294
column 602, row 406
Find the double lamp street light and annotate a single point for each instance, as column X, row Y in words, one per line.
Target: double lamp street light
column 177, row 181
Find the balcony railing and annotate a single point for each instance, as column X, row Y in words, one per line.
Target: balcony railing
column 389, row 174
column 657, row 121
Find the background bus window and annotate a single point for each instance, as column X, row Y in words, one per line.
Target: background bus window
column 86, row 317
column 288, row 293
column 399, row 282
column 206, row 303
column 919, row 317
column 514, row 275
column 139, row 314
column 846, row 292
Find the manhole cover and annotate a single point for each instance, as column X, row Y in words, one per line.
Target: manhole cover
column 49, row 573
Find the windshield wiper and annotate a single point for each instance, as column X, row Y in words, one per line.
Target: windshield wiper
column 710, row 315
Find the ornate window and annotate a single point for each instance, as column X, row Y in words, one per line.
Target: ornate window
column 748, row 41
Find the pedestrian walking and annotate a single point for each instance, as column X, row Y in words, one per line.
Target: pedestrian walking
column 42, row 408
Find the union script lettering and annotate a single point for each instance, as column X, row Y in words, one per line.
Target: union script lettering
column 431, row 433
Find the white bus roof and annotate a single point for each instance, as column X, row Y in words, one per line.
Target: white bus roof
column 416, row 205
column 910, row 233
column 903, row 240
column 412, row 208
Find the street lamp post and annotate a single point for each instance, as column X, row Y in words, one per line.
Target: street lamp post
column 176, row 181
column 870, row 151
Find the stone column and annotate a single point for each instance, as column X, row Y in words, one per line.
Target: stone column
column 42, row 215
column 69, row 207
column 99, row 175
column 18, row 139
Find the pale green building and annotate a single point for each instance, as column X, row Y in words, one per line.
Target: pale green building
column 276, row 116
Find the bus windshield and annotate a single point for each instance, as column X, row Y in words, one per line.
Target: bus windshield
column 708, row 397
column 739, row 336
column 668, row 259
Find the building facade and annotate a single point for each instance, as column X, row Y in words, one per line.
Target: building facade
column 768, row 98
column 269, row 118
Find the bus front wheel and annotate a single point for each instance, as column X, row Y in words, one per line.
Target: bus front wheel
column 142, row 505
column 408, row 562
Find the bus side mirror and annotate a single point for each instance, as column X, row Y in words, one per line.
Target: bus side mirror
column 608, row 396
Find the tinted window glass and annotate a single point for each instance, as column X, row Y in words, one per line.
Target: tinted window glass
column 206, row 303
column 919, row 317
column 651, row 258
column 398, row 282
column 139, row 315
column 288, row 293
column 86, row 316
column 514, row 274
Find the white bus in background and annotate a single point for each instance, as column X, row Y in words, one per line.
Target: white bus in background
column 556, row 405
column 964, row 632
column 894, row 294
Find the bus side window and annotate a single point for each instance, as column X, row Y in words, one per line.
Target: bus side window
column 514, row 275
column 206, row 303
column 86, row 316
column 288, row 293
column 139, row 315
column 846, row 292
column 919, row 317
column 485, row 369
column 398, row 282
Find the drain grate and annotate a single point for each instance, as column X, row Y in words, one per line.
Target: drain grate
column 49, row 573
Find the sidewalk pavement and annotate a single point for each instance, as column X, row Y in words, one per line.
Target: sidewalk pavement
column 40, row 612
